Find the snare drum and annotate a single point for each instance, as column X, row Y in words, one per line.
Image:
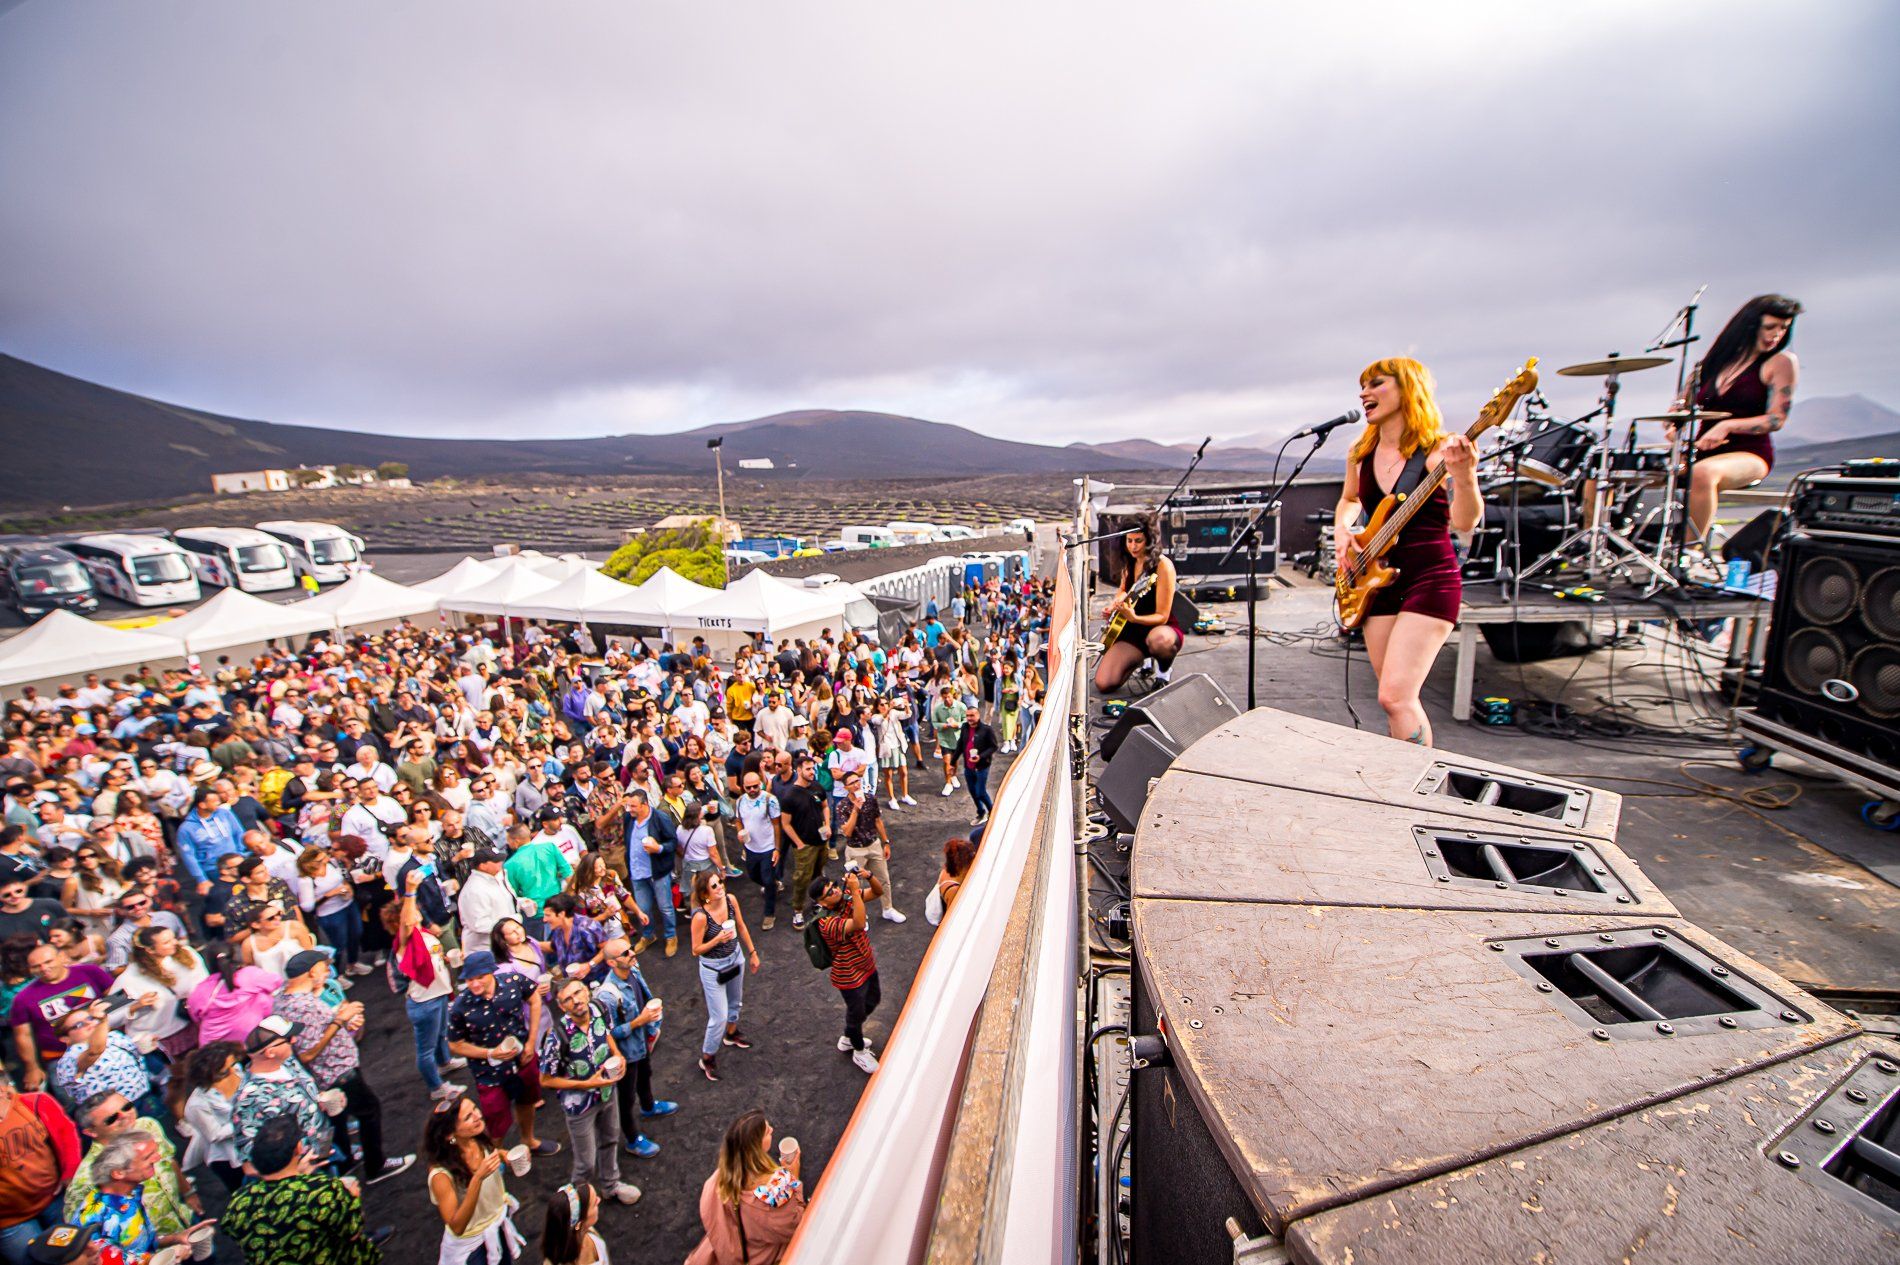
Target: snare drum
column 1646, row 466
column 1551, row 461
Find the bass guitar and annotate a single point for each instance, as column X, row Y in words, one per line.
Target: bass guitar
column 1367, row 574
column 1119, row 624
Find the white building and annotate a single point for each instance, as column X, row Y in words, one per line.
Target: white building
column 251, row 481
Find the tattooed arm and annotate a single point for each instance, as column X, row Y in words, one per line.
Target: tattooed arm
column 1778, row 375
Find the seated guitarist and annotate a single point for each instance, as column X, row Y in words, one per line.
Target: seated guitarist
column 1407, row 621
column 1150, row 631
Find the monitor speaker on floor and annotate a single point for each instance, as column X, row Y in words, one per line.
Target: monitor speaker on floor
column 1180, row 711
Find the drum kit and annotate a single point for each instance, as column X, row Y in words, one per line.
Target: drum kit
column 1574, row 477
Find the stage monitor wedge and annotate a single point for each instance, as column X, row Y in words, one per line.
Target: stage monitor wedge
column 1180, row 712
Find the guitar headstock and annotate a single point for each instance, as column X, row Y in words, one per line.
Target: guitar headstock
column 1505, row 398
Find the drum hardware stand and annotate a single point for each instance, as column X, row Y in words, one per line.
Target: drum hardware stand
column 1605, row 548
column 1674, row 539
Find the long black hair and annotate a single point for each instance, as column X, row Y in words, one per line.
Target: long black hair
column 1149, row 525
column 561, row 1238
column 1737, row 339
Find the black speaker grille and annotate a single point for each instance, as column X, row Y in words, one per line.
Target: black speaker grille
column 1826, row 589
column 1814, row 656
column 1881, row 610
column 1876, row 675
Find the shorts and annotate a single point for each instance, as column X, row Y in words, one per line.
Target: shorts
column 892, row 760
column 497, row 1102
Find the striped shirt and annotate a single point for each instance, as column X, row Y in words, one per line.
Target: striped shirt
column 852, row 961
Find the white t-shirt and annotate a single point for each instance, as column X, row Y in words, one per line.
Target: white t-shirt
column 568, row 840
column 844, row 763
column 758, row 821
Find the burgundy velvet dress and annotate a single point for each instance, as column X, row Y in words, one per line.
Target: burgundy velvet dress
column 1428, row 580
column 1747, row 396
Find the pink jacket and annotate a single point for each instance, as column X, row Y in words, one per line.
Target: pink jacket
column 230, row 1014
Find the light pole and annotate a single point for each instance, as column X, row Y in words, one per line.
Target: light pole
column 719, row 463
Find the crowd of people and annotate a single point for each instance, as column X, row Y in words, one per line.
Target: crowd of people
column 197, row 867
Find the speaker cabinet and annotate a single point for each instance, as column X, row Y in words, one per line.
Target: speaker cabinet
column 1142, row 757
column 1179, row 712
column 1833, row 666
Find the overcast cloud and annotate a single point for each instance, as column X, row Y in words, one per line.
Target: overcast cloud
column 1053, row 221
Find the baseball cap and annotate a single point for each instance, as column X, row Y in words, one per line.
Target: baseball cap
column 59, row 1245
column 274, row 1028
column 477, row 964
column 490, row 853
column 303, row 962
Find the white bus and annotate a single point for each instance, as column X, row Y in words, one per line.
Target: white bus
column 142, row 570
column 238, row 557
column 323, row 550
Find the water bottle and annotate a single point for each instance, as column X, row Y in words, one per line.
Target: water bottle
column 1737, row 576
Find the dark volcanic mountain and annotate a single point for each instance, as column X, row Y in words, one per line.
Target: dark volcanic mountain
column 68, row 441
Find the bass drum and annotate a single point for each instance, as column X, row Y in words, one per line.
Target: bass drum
column 1553, row 460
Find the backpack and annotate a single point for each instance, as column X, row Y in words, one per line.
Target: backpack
column 270, row 790
column 815, row 946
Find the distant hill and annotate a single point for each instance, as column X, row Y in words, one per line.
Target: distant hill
column 69, row 441
column 1792, row 457
column 1826, row 418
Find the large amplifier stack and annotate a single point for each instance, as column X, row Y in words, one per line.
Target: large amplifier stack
column 1830, row 689
column 1420, row 1008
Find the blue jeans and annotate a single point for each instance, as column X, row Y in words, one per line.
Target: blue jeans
column 15, row 1239
column 978, row 782
column 759, row 868
column 654, row 896
column 430, row 1019
column 723, row 1001
column 343, row 930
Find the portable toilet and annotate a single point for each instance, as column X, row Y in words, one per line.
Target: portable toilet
column 992, row 569
column 972, row 573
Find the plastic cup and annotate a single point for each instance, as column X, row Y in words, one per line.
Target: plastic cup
column 613, row 1067
column 576, row 970
column 787, row 1148
column 520, row 1160
column 332, row 1101
column 201, row 1240
column 454, row 958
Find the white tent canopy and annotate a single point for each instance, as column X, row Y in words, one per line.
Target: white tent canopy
column 367, row 598
column 655, row 602
column 64, row 645
column 469, row 573
column 234, row 618
column 585, row 595
column 764, row 603
column 506, row 594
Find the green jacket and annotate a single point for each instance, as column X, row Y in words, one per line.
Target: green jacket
column 538, row 871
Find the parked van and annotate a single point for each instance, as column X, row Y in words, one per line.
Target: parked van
column 238, row 557
column 142, row 570
column 867, row 537
column 37, row 580
column 322, row 550
column 955, row 532
column 1027, row 526
column 912, row 533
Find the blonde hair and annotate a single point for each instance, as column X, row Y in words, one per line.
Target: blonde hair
column 1423, row 426
column 743, row 1161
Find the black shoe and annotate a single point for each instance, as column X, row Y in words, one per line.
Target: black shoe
column 736, row 1039
column 709, row 1067
column 382, row 1234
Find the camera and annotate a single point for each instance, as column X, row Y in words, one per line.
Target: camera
column 851, row 867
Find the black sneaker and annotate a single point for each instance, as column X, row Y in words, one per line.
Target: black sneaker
column 382, row 1234
column 708, row 1066
column 391, row 1166
column 736, row 1039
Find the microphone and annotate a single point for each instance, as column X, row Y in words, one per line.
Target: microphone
column 1202, row 450
column 1347, row 418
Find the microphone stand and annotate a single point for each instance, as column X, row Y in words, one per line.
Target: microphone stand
column 1249, row 539
column 1172, row 493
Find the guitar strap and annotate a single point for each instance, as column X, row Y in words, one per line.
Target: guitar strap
column 1413, row 474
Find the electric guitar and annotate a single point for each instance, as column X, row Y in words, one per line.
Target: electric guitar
column 1119, row 623
column 1355, row 584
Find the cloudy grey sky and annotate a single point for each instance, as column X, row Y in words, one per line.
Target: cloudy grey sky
column 1061, row 220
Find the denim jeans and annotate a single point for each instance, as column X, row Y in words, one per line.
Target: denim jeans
column 343, row 931
column 723, row 1001
column 15, row 1238
column 655, row 898
column 978, row 782
column 760, row 869
column 430, row 1019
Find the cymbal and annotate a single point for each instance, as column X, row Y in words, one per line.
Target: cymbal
column 1615, row 364
column 1683, row 415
